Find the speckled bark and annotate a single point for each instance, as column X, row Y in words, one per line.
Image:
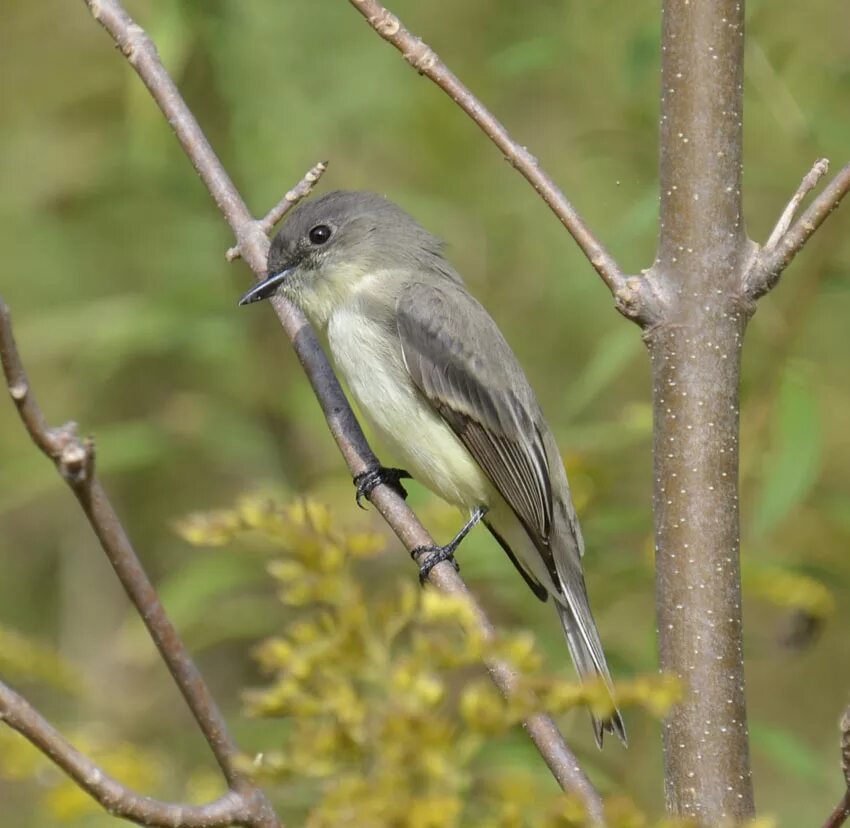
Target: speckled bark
column 695, row 352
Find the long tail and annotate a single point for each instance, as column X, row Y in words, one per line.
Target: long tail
column 589, row 659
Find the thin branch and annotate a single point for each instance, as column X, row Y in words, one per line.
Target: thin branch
column 845, row 746
column 116, row 798
column 75, row 461
column 809, row 182
column 787, row 239
column 342, row 423
column 633, row 295
column 842, row 811
column 299, row 192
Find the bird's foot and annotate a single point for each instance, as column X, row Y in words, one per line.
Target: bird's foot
column 432, row 555
column 368, row 480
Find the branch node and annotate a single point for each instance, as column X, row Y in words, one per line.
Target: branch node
column 18, row 391
column 789, row 237
column 386, row 23
column 637, row 299
column 76, row 462
column 73, row 462
column 421, row 57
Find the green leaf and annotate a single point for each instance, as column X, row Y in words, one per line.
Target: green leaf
column 793, row 464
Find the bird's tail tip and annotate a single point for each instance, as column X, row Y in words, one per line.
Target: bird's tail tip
column 613, row 725
column 589, row 659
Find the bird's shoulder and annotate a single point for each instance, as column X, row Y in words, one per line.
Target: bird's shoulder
column 444, row 321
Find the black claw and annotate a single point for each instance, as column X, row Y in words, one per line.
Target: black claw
column 373, row 477
column 435, row 555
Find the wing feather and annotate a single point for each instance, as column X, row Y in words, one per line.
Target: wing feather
column 460, row 362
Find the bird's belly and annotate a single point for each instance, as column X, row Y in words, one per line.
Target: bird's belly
column 372, row 366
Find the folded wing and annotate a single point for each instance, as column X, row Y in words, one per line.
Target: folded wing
column 461, row 363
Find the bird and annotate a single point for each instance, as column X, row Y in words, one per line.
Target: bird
column 432, row 372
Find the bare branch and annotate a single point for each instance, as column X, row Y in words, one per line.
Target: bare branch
column 633, row 295
column 842, row 811
column 116, row 798
column 845, row 746
column 839, row 816
column 809, row 182
column 787, row 239
column 299, row 192
column 342, row 423
column 74, row 459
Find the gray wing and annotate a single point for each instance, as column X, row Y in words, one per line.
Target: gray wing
column 461, row 363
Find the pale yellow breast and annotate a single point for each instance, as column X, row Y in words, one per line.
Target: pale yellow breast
column 371, row 364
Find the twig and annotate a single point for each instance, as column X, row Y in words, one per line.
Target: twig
column 839, row 816
column 845, row 746
column 75, row 460
column 632, row 294
column 842, row 811
column 119, row 800
column 787, row 239
column 299, row 192
column 809, row 182
column 341, row 421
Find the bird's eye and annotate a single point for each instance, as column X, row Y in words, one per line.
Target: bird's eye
column 320, row 234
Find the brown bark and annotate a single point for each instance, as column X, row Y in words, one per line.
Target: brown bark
column 703, row 254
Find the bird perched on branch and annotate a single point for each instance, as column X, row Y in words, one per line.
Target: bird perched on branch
column 433, row 373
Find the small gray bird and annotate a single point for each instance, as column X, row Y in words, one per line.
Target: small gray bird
column 441, row 386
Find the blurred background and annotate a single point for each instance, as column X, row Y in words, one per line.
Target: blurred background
column 125, row 312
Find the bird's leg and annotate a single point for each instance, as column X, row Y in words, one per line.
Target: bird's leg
column 445, row 553
column 367, row 480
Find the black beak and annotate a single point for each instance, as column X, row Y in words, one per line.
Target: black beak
column 266, row 288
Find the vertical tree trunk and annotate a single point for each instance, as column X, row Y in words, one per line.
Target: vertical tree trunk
column 695, row 355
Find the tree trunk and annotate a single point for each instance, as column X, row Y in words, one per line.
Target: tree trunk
column 695, row 354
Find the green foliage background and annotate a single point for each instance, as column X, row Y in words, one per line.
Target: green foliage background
column 125, row 312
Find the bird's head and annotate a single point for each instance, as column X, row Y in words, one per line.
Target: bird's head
column 330, row 245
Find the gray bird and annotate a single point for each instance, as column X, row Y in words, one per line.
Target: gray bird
column 441, row 386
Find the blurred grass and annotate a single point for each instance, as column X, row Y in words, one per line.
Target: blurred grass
column 125, row 312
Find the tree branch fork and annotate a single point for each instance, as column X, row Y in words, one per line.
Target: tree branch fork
column 643, row 298
column 74, row 458
column 648, row 300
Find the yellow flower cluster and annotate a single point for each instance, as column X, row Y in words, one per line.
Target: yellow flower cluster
column 382, row 691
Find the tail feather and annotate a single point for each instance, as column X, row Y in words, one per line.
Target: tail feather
column 589, row 659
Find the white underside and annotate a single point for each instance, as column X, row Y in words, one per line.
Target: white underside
column 373, row 367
